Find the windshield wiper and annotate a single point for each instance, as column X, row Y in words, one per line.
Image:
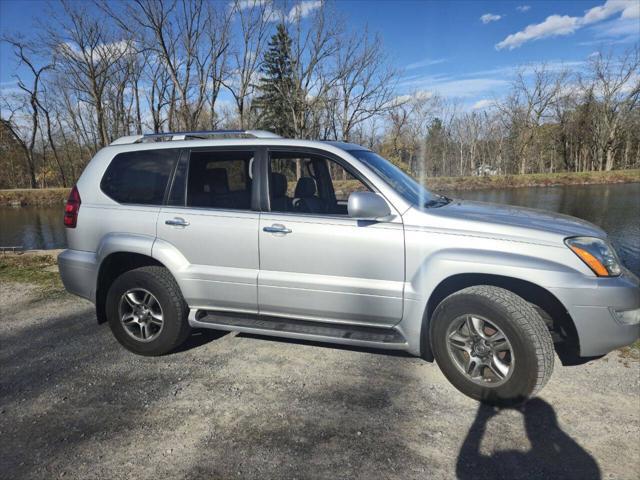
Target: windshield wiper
column 438, row 202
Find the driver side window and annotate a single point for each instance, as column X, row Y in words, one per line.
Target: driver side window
column 310, row 184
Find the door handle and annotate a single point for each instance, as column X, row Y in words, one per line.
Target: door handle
column 177, row 222
column 277, row 228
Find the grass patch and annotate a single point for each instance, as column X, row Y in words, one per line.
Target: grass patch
column 22, row 197
column 35, row 269
column 632, row 351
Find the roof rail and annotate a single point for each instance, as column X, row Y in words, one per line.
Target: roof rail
column 171, row 136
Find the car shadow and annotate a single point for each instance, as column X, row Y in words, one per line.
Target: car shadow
column 331, row 346
column 198, row 338
column 553, row 453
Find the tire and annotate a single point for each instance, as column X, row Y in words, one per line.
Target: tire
column 163, row 325
column 463, row 326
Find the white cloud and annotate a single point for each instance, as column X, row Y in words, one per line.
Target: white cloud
column 271, row 13
column 553, row 26
column 455, row 87
column 620, row 27
column 427, row 62
column 266, row 7
column 632, row 11
column 482, row 104
column 523, row 8
column 303, row 9
column 419, row 95
column 246, row 4
column 102, row 51
column 557, row 25
column 480, row 85
column 490, row 17
column 611, row 7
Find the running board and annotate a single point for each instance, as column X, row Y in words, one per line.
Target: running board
column 377, row 337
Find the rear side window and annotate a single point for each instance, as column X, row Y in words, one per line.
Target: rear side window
column 139, row 177
column 219, row 180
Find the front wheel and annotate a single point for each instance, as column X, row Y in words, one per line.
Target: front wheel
column 146, row 311
column 492, row 345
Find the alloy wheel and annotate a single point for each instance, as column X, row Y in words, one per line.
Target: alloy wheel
column 141, row 314
column 480, row 350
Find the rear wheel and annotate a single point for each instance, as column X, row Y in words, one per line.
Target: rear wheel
column 146, row 311
column 492, row 345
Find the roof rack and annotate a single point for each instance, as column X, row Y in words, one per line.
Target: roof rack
column 171, row 136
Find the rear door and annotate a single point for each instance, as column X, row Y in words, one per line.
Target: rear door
column 210, row 221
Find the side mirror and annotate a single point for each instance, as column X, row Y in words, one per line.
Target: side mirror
column 368, row 206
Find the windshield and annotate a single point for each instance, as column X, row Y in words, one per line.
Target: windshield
column 402, row 183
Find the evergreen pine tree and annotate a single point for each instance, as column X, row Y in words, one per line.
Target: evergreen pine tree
column 277, row 92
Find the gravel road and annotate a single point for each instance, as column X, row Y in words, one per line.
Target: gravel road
column 74, row 404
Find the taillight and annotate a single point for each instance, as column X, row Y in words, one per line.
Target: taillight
column 72, row 208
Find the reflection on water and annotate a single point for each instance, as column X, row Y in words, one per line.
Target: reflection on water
column 615, row 208
column 32, row 227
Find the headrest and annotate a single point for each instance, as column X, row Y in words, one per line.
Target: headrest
column 278, row 185
column 305, row 188
column 216, row 181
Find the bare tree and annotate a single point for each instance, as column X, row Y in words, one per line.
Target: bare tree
column 529, row 104
column 89, row 54
column 615, row 84
column 253, row 17
column 186, row 41
column 365, row 83
column 27, row 140
column 313, row 52
column 44, row 106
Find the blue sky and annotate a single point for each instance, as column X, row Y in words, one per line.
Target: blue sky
column 466, row 49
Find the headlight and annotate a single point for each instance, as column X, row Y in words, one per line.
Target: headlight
column 597, row 254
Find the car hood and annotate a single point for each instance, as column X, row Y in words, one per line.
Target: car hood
column 511, row 220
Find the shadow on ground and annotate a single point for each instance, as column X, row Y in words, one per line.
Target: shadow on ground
column 553, row 453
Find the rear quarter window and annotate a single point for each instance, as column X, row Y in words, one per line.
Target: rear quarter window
column 139, row 177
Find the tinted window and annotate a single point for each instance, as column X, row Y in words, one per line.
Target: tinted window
column 179, row 185
column 139, row 177
column 219, row 180
column 307, row 183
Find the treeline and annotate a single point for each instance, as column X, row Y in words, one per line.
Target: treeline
column 551, row 119
column 100, row 70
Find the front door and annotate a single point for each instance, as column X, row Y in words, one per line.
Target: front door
column 316, row 262
column 211, row 223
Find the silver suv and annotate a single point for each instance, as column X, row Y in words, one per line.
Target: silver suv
column 327, row 241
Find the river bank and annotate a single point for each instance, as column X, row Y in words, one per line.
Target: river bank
column 533, row 180
column 57, row 196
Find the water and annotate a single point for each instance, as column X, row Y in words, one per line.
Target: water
column 615, row 208
column 32, row 227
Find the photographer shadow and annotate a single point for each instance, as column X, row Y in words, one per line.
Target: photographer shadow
column 553, row 453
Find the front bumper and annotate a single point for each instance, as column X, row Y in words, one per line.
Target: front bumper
column 78, row 271
column 592, row 307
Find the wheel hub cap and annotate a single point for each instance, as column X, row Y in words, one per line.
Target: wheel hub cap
column 480, row 350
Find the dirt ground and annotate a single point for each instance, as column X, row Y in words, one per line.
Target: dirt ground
column 74, row 404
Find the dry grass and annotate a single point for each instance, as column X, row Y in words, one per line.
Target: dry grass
column 33, row 268
column 533, row 180
column 631, row 352
column 22, row 197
